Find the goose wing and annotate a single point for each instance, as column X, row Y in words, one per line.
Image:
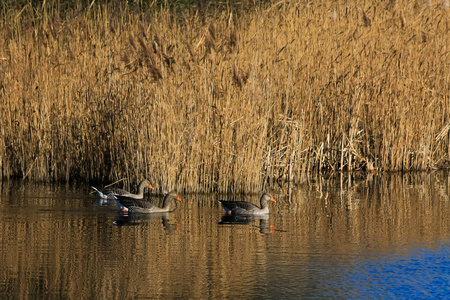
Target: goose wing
column 238, row 205
column 131, row 202
column 117, row 191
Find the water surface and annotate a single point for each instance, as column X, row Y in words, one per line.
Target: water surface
column 344, row 237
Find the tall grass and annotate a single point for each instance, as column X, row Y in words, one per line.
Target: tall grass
column 223, row 100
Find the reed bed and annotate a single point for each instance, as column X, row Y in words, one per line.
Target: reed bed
column 223, row 99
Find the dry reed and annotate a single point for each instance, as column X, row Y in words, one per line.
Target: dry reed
column 225, row 100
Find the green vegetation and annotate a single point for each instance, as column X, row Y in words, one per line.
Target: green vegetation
column 222, row 99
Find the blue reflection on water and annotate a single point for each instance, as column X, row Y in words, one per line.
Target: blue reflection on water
column 406, row 272
column 422, row 273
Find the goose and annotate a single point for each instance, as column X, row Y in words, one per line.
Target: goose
column 247, row 208
column 131, row 205
column 109, row 193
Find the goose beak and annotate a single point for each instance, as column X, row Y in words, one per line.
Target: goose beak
column 273, row 199
column 150, row 186
column 178, row 198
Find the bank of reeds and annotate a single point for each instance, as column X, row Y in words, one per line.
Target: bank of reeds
column 223, row 100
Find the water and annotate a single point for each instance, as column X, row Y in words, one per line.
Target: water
column 374, row 237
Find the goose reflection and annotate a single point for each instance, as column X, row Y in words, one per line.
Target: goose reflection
column 124, row 219
column 247, row 220
column 106, row 202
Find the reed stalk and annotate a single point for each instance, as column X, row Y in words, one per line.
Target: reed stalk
column 223, row 99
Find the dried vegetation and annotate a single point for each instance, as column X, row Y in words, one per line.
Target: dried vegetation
column 222, row 99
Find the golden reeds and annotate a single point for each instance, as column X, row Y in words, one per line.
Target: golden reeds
column 223, row 102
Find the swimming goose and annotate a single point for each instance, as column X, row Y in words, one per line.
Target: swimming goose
column 247, row 208
column 109, row 193
column 127, row 204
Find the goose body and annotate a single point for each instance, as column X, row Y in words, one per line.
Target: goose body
column 127, row 204
column 247, row 208
column 109, row 193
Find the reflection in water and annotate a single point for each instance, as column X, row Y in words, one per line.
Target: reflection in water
column 345, row 237
column 125, row 219
column 106, row 202
column 246, row 220
column 420, row 268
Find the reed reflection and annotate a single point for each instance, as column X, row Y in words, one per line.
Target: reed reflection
column 67, row 248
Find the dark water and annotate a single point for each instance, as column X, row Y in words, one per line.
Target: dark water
column 344, row 238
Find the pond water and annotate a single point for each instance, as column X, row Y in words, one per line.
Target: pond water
column 345, row 237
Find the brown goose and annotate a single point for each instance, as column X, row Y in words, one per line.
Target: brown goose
column 109, row 193
column 127, row 204
column 247, row 208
